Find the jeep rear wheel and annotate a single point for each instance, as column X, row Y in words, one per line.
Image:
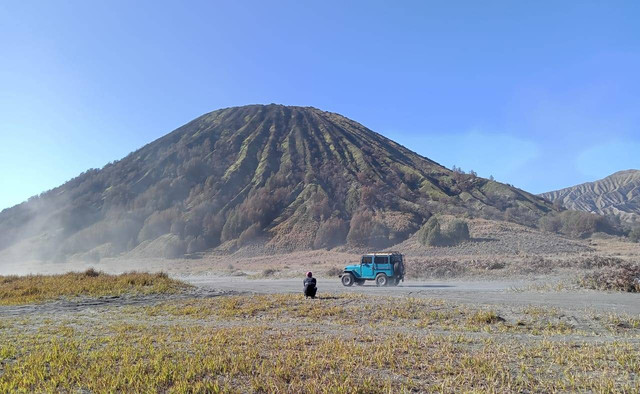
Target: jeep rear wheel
column 381, row 280
column 348, row 279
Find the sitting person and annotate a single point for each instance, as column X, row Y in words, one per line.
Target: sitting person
column 310, row 286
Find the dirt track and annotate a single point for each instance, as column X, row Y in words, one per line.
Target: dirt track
column 506, row 292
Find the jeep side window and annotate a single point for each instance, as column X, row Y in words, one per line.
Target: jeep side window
column 366, row 259
column 381, row 259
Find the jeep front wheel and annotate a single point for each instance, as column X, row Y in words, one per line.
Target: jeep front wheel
column 381, row 280
column 348, row 279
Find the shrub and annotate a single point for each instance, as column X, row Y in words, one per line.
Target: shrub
column 157, row 224
column 364, row 230
column 174, row 248
column 576, row 224
column 333, row 271
column 436, row 238
column 431, row 234
column 550, row 223
column 254, row 231
column 269, row 272
column 261, row 208
column 212, row 227
column 320, row 207
column 582, row 224
column 234, row 226
column 92, row 273
column 591, row 262
column 196, row 245
column 331, row 233
column 521, row 215
column 634, row 235
column 195, row 170
column 441, row 268
column 624, row 277
column 458, row 231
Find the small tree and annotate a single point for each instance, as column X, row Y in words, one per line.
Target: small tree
column 458, row 231
column 250, row 234
column 331, row 233
column 430, row 234
column 174, row 248
column 196, row 245
column 582, row 224
column 436, row 238
column 365, row 230
column 634, row 235
column 550, row 223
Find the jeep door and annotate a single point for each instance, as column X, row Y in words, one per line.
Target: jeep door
column 382, row 265
column 366, row 267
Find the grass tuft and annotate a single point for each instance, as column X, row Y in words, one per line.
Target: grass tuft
column 38, row 288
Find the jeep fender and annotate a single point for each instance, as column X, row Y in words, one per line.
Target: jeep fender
column 347, row 272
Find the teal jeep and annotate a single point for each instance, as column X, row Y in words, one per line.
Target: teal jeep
column 387, row 269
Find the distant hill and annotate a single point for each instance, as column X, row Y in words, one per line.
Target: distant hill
column 270, row 177
column 618, row 194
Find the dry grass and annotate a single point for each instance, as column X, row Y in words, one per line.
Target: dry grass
column 333, row 272
column 351, row 310
column 589, row 270
column 250, row 344
column 622, row 277
column 37, row 288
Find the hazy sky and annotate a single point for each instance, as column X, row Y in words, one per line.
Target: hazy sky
column 541, row 95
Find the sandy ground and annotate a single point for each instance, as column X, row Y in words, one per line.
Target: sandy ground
column 215, row 275
column 490, row 293
column 501, row 292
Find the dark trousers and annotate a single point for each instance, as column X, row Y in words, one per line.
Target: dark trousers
column 310, row 291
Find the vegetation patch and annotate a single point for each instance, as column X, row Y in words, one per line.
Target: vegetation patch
column 285, row 344
column 333, row 271
column 432, row 235
column 353, row 310
column 265, row 273
column 38, row 288
column 578, row 224
column 622, row 277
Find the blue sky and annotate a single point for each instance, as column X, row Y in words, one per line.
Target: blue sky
column 541, row 95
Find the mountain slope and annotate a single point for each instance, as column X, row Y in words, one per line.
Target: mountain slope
column 618, row 194
column 286, row 178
